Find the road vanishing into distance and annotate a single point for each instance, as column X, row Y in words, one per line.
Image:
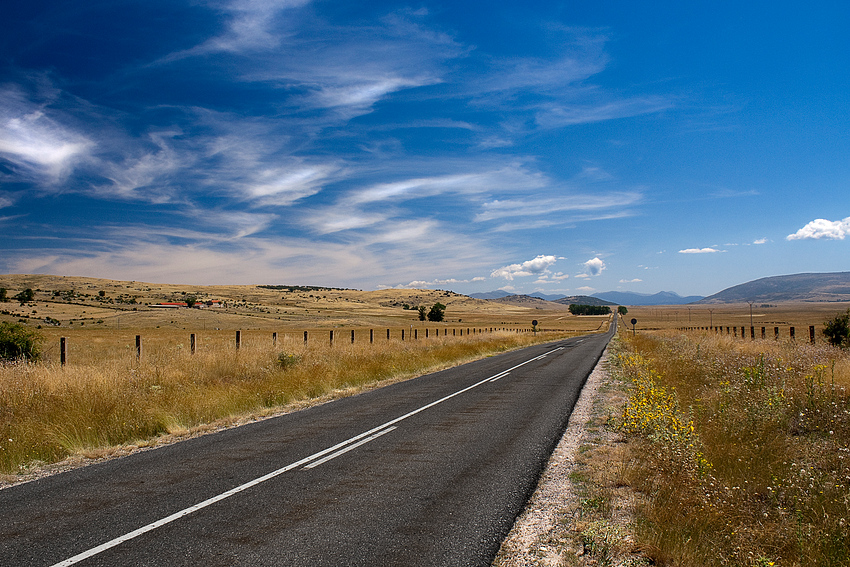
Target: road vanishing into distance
column 430, row 471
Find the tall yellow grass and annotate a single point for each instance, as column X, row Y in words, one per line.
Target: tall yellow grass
column 106, row 397
column 740, row 450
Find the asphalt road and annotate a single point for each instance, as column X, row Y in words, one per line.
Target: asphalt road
column 431, row 471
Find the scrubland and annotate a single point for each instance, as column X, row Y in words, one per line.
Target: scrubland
column 734, row 452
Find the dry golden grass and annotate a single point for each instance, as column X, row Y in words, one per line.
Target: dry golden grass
column 738, row 449
column 105, row 396
column 108, row 397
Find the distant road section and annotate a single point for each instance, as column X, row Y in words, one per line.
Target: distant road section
column 431, row 471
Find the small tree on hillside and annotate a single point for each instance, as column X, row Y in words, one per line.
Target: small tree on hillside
column 422, row 313
column 437, row 312
column 837, row 330
column 622, row 310
column 25, row 296
column 4, row 294
column 191, row 300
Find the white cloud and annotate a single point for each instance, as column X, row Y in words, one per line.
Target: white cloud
column 284, row 185
column 538, row 265
column 35, row 142
column 551, row 278
column 636, row 280
column 698, row 251
column 594, row 267
column 760, row 241
column 820, row 229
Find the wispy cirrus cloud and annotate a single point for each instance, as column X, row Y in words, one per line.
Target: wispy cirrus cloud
column 38, row 144
column 552, row 205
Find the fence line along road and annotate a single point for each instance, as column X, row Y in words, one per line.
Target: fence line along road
column 470, row 331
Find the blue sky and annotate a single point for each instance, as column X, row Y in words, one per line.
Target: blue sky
column 561, row 147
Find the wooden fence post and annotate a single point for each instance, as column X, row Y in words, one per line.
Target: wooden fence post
column 352, row 336
column 274, row 339
column 812, row 333
column 63, row 351
column 776, row 333
column 371, row 336
column 238, row 339
column 792, row 333
column 192, row 343
column 138, row 347
column 305, row 338
column 753, row 333
column 388, row 334
column 332, row 338
column 402, row 334
column 762, row 333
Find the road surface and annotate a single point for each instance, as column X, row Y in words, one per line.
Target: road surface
column 431, row 471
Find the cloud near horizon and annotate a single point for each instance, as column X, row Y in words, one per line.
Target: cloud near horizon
column 822, row 229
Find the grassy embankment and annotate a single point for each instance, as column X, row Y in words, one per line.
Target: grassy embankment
column 738, row 451
column 106, row 397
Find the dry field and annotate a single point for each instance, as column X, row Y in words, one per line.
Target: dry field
column 782, row 315
column 76, row 303
column 108, row 396
column 727, row 451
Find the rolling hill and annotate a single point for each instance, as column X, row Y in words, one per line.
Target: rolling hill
column 834, row 286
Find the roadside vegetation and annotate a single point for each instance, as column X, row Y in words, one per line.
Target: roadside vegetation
column 108, row 398
column 736, row 452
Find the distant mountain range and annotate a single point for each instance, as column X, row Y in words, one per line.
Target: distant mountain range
column 660, row 298
column 583, row 300
column 833, row 286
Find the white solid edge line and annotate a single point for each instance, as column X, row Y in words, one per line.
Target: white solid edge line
column 241, row 488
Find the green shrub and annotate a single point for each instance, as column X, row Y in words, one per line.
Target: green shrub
column 18, row 342
column 837, row 330
column 286, row 360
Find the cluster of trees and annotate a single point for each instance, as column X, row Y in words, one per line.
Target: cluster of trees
column 589, row 309
column 24, row 297
column 436, row 314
